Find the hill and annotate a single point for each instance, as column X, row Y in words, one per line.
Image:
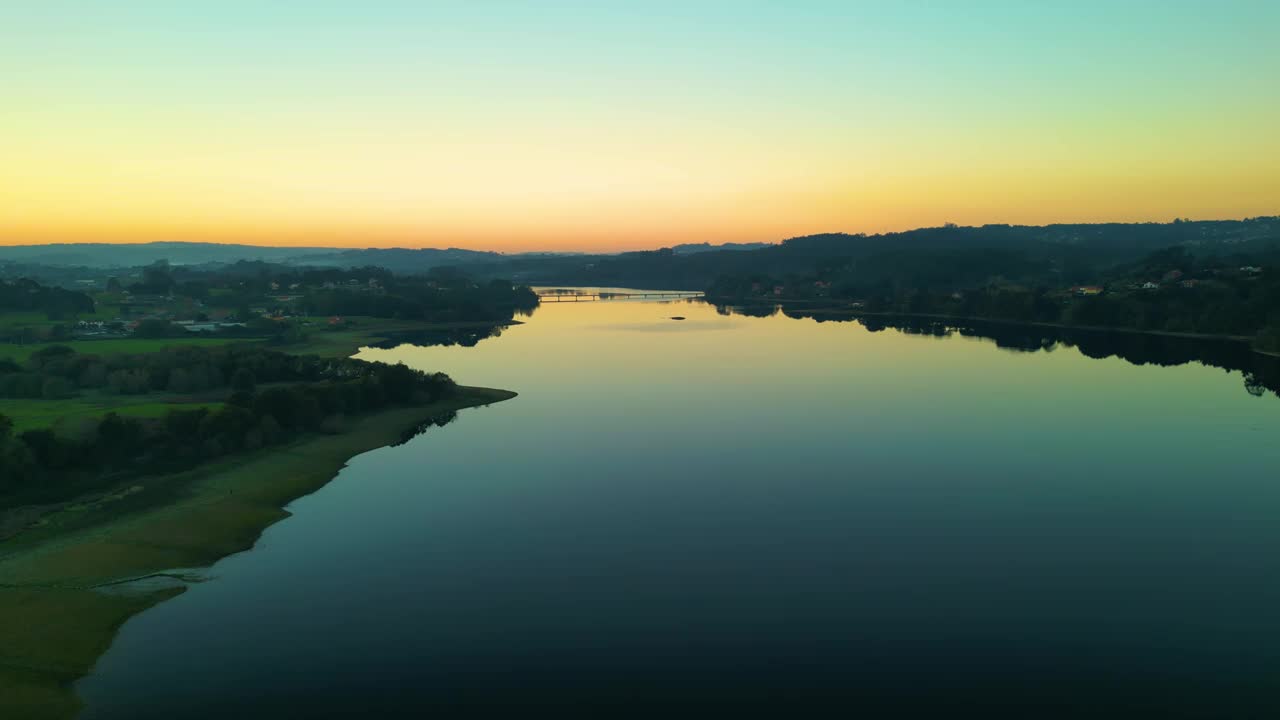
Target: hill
column 106, row 255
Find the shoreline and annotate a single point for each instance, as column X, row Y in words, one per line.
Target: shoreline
column 1027, row 323
column 57, row 623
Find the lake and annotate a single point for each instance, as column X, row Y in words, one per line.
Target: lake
column 743, row 513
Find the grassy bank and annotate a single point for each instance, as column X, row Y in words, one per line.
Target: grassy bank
column 56, row 623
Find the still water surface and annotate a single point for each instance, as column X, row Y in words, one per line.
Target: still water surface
column 756, row 512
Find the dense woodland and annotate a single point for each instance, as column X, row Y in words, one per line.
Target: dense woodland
column 1220, row 284
column 25, row 295
column 269, row 398
column 1065, row 254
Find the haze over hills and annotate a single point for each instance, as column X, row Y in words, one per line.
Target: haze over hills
column 114, row 255
column 107, row 255
column 1033, row 253
column 130, row 255
column 693, row 248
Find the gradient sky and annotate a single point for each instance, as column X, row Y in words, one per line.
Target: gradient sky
column 600, row 125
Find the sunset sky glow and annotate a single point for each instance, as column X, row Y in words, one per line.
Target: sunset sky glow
column 600, row 126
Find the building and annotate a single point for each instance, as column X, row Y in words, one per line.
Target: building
column 1087, row 290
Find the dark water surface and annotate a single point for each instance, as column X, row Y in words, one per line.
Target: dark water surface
column 732, row 513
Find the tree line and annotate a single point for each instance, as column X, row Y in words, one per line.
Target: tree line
column 935, row 256
column 317, row 395
column 1170, row 290
column 58, row 371
column 25, row 295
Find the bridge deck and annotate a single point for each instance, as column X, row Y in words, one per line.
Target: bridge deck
column 590, row 296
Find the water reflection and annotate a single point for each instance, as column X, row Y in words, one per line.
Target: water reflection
column 466, row 336
column 433, row 422
column 1261, row 372
column 747, row 514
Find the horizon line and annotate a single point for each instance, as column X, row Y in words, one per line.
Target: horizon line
column 322, row 247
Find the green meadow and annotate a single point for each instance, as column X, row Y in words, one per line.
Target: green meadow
column 113, row 346
column 30, row 414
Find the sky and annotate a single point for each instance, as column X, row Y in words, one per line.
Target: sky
column 549, row 125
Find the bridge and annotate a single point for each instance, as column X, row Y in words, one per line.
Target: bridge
column 580, row 296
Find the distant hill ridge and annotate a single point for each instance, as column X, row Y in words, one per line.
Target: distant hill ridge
column 108, row 255
column 1116, row 240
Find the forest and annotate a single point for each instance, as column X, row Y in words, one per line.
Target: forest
column 26, row 295
column 938, row 257
column 1228, row 289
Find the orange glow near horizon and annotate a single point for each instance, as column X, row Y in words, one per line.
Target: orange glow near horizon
column 436, row 127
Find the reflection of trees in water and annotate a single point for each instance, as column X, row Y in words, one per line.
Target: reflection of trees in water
column 1261, row 372
column 438, row 421
column 446, row 337
column 755, row 310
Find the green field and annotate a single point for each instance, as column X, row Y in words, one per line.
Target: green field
column 39, row 319
column 56, row 623
column 30, row 414
column 24, row 319
column 114, row 346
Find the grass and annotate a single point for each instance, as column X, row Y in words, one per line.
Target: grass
column 12, row 319
column 29, row 414
column 113, row 346
column 55, row 623
column 46, row 648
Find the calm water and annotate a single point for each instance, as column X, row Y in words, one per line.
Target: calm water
column 757, row 513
